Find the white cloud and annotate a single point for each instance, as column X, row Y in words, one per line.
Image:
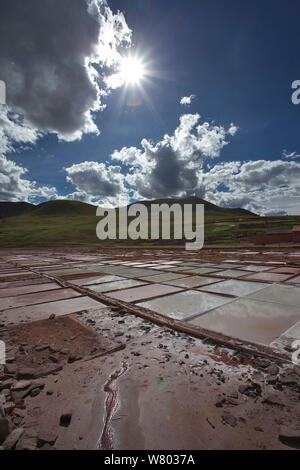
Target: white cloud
column 262, row 186
column 14, row 187
column 187, row 100
column 14, row 129
column 170, row 167
column 97, row 182
column 286, row 154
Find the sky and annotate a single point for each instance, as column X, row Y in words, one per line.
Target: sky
column 126, row 100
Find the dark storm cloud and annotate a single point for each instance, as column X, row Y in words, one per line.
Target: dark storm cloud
column 49, row 53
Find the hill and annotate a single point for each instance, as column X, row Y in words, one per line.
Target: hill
column 63, row 208
column 208, row 206
column 10, row 209
column 73, row 223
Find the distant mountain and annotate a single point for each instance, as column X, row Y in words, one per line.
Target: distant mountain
column 208, row 206
column 60, row 208
column 63, row 207
column 10, row 209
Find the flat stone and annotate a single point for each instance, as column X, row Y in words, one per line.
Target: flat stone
column 10, row 369
column 271, row 379
column 42, row 347
column 272, row 369
column 9, row 406
column 26, row 373
column 272, row 399
column 54, row 357
column 289, row 435
column 20, row 413
column 290, row 379
column 35, row 392
column 21, row 385
column 6, row 384
column 28, row 440
column 13, row 438
column 228, row 418
column 261, row 362
column 46, row 437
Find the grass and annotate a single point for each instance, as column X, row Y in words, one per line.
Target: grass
column 59, row 223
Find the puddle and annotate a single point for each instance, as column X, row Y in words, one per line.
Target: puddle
column 111, row 405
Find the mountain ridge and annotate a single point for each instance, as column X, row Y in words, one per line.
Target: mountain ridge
column 60, row 207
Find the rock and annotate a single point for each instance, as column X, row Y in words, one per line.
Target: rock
column 65, row 351
column 290, row 379
column 42, row 347
column 4, row 429
column 251, row 390
column 272, row 399
column 54, row 357
column 10, row 358
column 243, row 388
column 273, row 369
column 13, row 438
column 289, row 435
column 46, row 447
column 297, row 370
column 48, row 369
column 54, row 348
column 35, row 392
column 228, row 418
column 65, row 420
column 220, row 403
column 20, row 404
column 52, row 316
column 73, row 358
column 9, row 406
column 263, row 363
column 10, row 369
column 49, row 392
column 271, row 379
column 6, row 384
column 21, row 385
column 18, row 412
column 26, row 373
column 258, row 429
column 28, row 440
column 46, row 437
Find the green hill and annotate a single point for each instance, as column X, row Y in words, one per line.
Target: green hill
column 63, row 208
column 208, row 206
column 10, row 209
column 73, row 223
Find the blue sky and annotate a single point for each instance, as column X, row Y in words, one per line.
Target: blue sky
column 237, row 59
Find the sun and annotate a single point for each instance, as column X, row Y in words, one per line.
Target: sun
column 132, row 70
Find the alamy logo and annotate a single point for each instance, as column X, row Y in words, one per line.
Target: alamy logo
column 2, row 92
column 296, row 94
column 145, row 223
column 2, row 353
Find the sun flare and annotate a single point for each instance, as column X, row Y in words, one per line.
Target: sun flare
column 132, row 70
